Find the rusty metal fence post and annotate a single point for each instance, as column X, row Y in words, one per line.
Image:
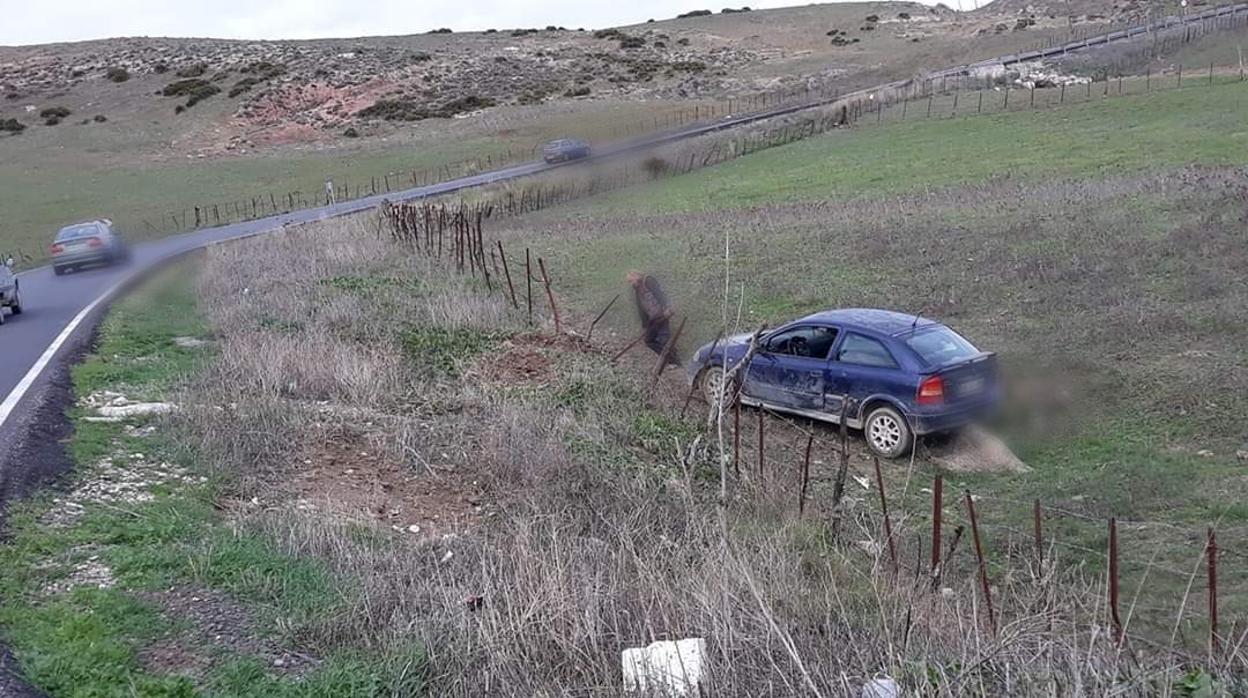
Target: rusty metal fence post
column 983, row 566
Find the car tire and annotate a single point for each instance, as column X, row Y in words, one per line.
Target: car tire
column 59, row 271
column 1, row 314
column 16, row 304
column 711, row 383
column 887, row 432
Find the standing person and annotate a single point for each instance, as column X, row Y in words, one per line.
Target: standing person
column 329, row 192
column 655, row 313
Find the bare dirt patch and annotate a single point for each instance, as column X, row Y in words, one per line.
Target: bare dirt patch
column 345, row 476
column 528, row 359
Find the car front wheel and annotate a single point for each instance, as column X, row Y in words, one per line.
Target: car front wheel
column 887, row 432
column 711, row 380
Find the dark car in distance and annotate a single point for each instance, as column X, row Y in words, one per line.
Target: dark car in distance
column 895, row 376
column 564, row 150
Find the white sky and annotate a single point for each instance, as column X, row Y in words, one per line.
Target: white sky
column 34, row 22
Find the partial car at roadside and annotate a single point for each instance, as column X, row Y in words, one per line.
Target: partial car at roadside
column 895, row 376
column 86, row 244
column 10, row 291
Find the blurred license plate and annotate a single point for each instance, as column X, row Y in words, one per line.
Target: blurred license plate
column 974, row 385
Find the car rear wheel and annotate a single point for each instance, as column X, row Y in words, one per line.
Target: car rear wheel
column 887, row 432
column 59, row 271
column 711, row 381
column 16, row 305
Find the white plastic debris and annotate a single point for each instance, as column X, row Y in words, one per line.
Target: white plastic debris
column 882, row 687
column 665, row 668
column 134, row 409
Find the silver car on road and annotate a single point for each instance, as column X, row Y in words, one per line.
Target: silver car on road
column 10, row 294
column 82, row 244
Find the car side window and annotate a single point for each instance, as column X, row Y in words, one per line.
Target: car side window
column 812, row 342
column 864, row 351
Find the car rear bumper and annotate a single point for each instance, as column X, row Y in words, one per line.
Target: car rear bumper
column 77, row 258
column 950, row 419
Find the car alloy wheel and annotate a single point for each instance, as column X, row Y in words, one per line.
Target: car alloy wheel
column 887, row 432
column 713, row 384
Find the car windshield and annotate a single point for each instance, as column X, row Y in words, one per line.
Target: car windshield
column 74, row 232
column 940, row 345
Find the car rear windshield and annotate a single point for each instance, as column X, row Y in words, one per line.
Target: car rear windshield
column 74, row 232
column 940, row 345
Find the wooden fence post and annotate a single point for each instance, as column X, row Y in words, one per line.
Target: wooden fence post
column 1113, row 581
column 801, row 497
column 983, row 567
column 528, row 276
column 550, row 296
column 1039, row 534
column 761, row 422
column 888, row 523
column 507, row 273
column 938, row 494
column 1211, row 560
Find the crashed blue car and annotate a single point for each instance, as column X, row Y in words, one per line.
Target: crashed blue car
column 895, row 376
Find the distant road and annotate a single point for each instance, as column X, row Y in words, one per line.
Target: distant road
column 60, row 311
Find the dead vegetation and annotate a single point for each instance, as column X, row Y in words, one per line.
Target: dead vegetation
column 600, row 525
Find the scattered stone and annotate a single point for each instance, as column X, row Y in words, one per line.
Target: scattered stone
column 190, row 342
column 1205, row 453
column 1242, row 454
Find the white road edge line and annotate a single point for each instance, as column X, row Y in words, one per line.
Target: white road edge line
column 19, row 391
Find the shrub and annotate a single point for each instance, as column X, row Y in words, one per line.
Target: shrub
column 689, row 66
column 443, row 30
column 265, row 69
column 551, row 28
column 195, row 89
column 99, row 118
column 117, row 74
column 578, row 91
column 873, row 18
column 729, row 10
column 12, row 126
column 351, row 132
column 903, row 15
column 491, row 31
column 193, row 71
column 694, row 13
column 420, row 57
column 55, row 113
column 682, row 41
column 409, row 110
column 160, row 68
column 632, row 42
column 655, row 166
column 608, row 34
column 52, row 121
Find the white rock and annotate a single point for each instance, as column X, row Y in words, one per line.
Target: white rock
column 137, row 409
column 413, row 529
column 883, row 687
column 189, row 342
column 665, row 668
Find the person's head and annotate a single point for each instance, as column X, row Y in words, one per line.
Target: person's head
column 634, row 278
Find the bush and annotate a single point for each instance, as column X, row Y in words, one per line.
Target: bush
column 695, row 13
column 160, row 68
column 903, row 15
column 609, row 34
column 491, row 31
column 578, row 91
column 52, row 121
column 193, row 71
column 729, row 10
column 99, row 118
column 409, row 110
column 420, row 57
column 873, row 18
column 351, row 132
column 55, row 113
column 12, row 126
column 632, row 42
column 682, row 42
column 689, row 66
column 655, row 166
column 265, row 69
column 195, row 89
column 117, row 74
column 443, row 30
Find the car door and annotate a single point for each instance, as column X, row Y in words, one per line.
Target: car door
column 861, row 366
column 790, row 370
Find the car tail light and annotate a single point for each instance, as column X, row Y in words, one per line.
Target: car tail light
column 931, row 391
column 95, row 242
column 57, row 249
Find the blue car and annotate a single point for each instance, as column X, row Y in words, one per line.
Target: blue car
column 895, row 376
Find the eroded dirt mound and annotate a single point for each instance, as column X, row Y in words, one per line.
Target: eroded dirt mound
column 527, row 359
column 975, row 450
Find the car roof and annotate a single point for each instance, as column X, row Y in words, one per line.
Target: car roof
column 883, row 321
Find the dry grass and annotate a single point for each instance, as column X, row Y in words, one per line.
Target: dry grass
column 604, row 530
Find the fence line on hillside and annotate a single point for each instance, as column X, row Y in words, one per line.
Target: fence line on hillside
column 1165, row 35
